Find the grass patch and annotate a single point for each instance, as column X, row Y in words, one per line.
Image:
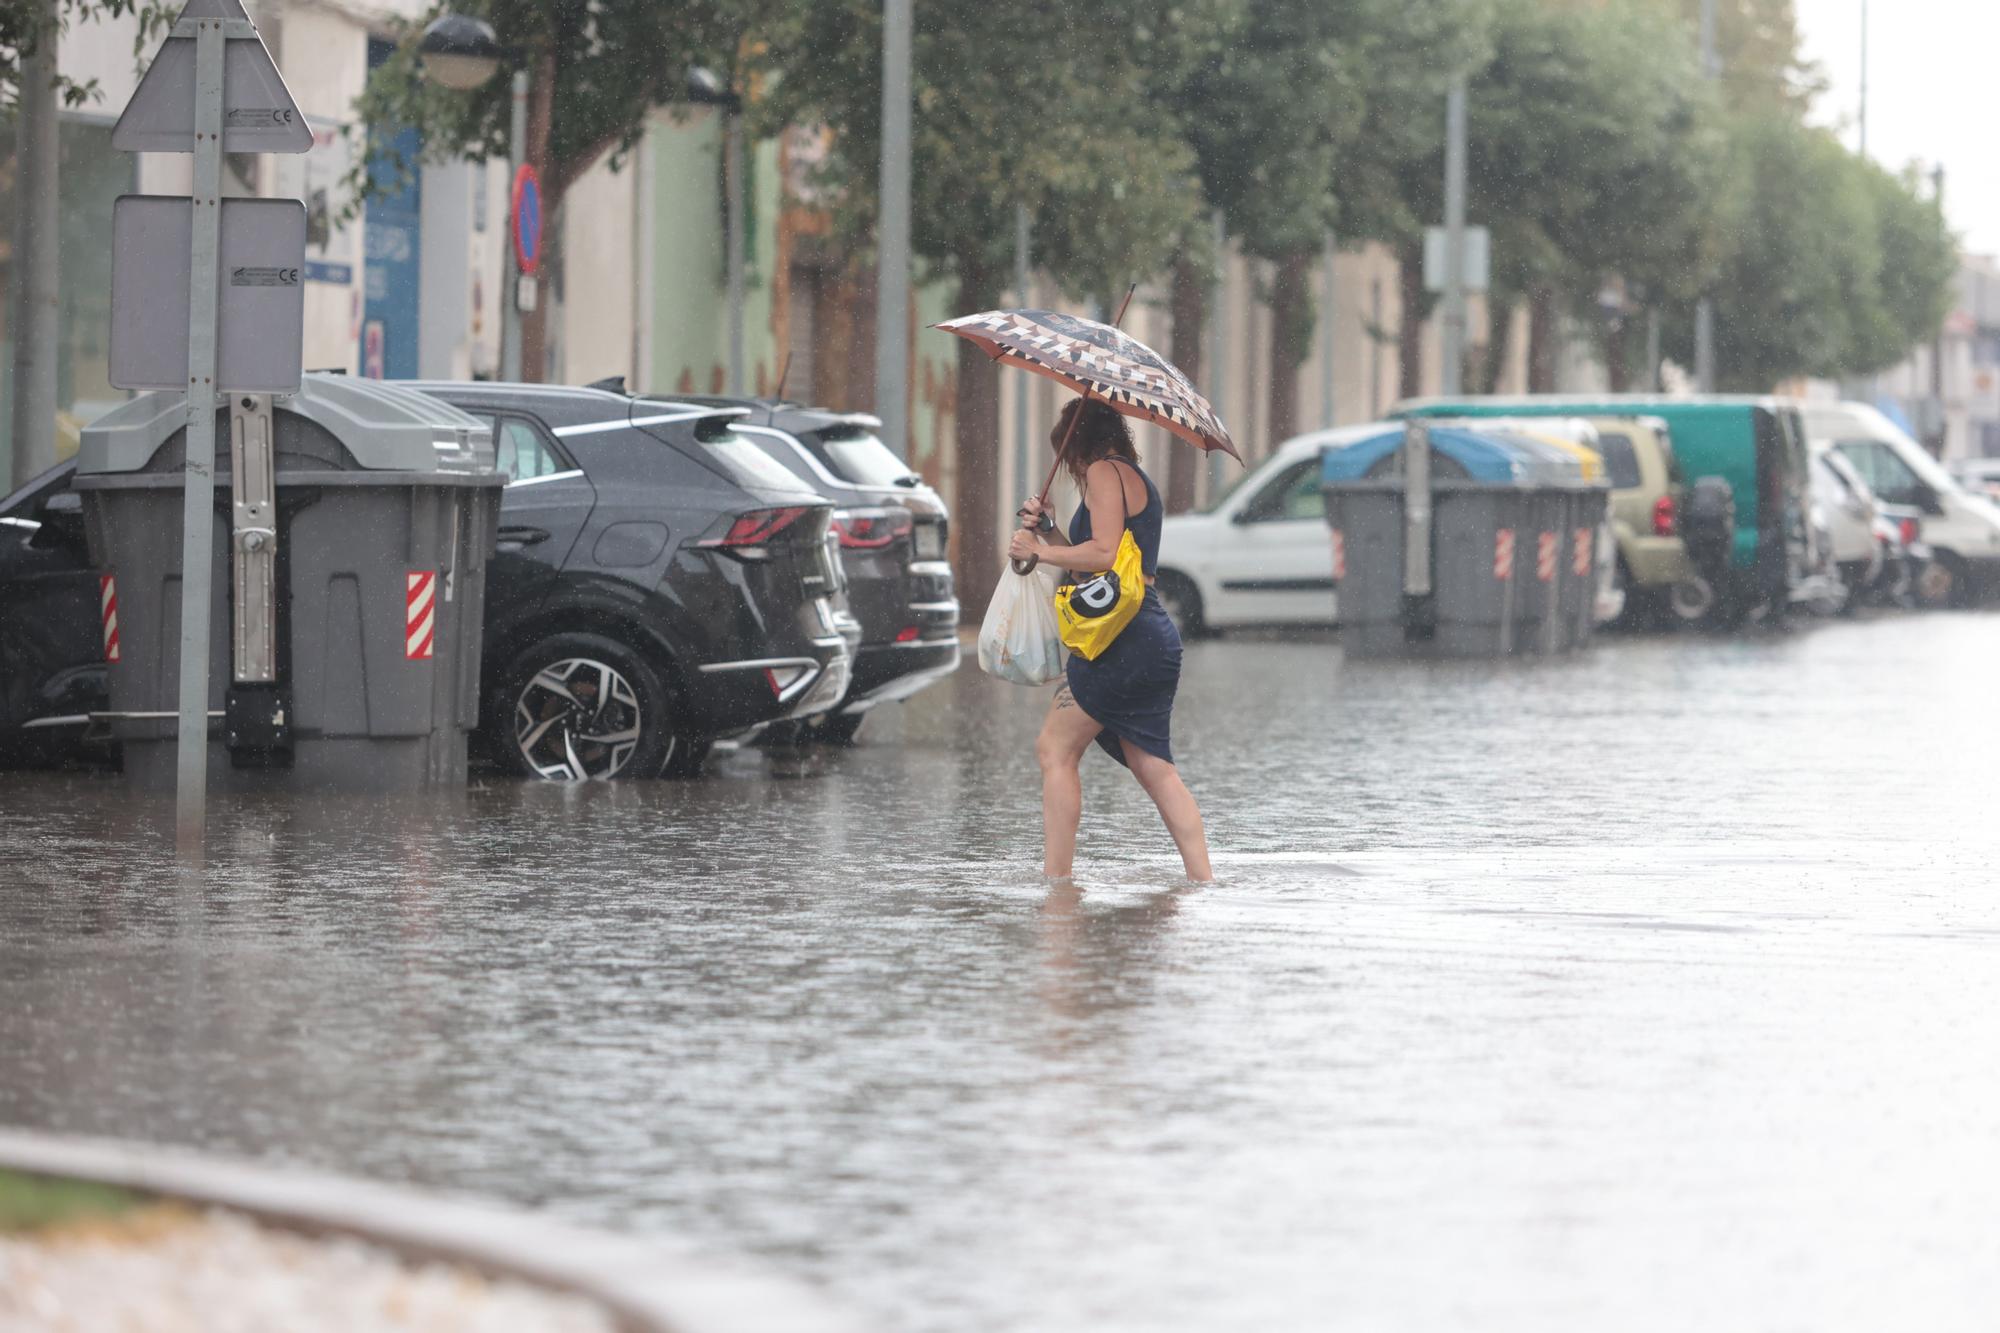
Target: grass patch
column 30, row 1203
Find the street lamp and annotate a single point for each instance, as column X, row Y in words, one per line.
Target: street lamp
column 462, row 53
column 706, row 88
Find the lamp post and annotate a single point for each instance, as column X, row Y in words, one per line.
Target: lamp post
column 462, row 53
column 705, row 88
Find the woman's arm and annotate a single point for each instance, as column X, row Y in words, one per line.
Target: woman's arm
column 1104, row 495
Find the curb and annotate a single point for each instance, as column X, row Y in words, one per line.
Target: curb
column 648, row 1287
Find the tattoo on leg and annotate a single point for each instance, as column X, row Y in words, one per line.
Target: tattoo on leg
column 1063, row 699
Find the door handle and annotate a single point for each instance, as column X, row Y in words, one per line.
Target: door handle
column 518, row 538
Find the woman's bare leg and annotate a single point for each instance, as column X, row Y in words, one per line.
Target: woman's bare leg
column 1178, row 810
column 1066, row 733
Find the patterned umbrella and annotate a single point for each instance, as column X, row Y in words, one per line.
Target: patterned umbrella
column 1099, row 361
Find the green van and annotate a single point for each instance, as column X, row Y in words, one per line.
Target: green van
column 1756, row 444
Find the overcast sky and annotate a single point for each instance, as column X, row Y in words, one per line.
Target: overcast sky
column 1933, row 69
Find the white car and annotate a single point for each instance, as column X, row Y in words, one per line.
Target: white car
column 1261, row 553
column 1849, row 512
column 1962, row 529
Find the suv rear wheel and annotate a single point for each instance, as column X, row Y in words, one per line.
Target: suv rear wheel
column 578, row 707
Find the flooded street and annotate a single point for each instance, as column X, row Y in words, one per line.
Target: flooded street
column 1653, row 989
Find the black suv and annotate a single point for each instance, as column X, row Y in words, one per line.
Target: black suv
column 658, row 582
column 52, row 672
column 892, row 530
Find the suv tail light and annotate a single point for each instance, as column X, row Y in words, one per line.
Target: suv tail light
column 1663, row 516
column 751, row 530
column 872, row 529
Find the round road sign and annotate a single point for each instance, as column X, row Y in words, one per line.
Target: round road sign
column 527, row 215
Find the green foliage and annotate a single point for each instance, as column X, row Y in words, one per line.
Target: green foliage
column 608, row 64
column 28, row 1203
column 26, row 24
column 1040, row 103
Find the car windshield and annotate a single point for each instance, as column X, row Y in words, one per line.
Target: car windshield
column 1879, row 428
column 863, row 459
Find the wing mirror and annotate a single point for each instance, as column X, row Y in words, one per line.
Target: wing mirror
column 61, row 517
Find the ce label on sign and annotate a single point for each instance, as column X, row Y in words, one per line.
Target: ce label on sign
column 253, row 275
column 256, row 118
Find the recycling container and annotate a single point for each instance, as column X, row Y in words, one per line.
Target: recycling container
column 1559, row 608
column 1479, row 504
column 386, row 503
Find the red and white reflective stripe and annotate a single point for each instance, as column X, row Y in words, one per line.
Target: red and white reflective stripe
column 107, row 608
column 1580, row 553
column 1546, row 546
column 1339, row 556
column 419, row 614
column 1503, row 554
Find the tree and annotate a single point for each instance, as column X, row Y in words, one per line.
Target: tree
column 1039, row 103
column 1919, row 265
column 25, row 24
column 598, row 69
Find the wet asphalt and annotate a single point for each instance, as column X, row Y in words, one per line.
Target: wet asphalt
column 1654, row 988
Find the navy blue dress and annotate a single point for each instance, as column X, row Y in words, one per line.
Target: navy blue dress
column 1129, row 689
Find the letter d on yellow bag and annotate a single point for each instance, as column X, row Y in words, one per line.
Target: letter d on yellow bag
column 1092, row 613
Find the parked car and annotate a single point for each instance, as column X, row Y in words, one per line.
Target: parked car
column 1646, row 492
column 892, row 532
column 1258, row 554
column 1756, row 444
column 1851, row 516
column 1981, row 476
column 52, row 671
column 658, row 583
column 1961, row 528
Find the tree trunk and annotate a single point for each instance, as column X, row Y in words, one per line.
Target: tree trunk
column 1410, row 323
column 1542, row 340
column 541, row 109
column 1499, row 343
column 1292, row 318
column 977, row 440
column 1190, row 306
column 1616, row 367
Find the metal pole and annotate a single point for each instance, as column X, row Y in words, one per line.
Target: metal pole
column 732, row 144
column 1704, row 311
column 1022, row 436
column 892, row 263
column 1218, row 338
column 1864, row 78
column 35, row 325
column 1652, row 351
column 198, row 470
column 1326, row 298
column 1454, row 240
column 510, row 282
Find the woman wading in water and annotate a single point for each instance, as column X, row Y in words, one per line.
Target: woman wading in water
column 1124, row 700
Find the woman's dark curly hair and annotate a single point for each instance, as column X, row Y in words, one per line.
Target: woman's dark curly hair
column 1100, row 433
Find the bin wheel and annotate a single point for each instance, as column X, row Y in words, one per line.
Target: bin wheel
column 1943, row 582
column 582, row 707
column 1183, row 603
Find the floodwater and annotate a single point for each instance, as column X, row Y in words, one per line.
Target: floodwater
column 1654, row 989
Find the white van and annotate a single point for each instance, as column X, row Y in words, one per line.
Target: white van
column 1963, row 529
column 1260, row 554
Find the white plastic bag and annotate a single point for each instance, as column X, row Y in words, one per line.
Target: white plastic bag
column 1018, row 639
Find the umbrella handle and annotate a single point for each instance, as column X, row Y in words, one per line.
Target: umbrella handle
column 1026, row 566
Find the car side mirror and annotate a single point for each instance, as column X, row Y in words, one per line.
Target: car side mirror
column 1928, row 500
column 61, row 517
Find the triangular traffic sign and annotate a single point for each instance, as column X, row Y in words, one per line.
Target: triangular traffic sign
column 258, row 113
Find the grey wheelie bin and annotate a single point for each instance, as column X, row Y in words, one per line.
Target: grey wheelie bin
column 1560, row 608
column 349, row 581
column 1439, row 578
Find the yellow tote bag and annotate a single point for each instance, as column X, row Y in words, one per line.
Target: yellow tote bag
column 1090, row 614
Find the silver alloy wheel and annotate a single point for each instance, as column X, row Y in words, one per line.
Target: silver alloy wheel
column 1692, row 598
column 577, row 719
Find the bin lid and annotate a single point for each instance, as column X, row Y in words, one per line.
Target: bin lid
column 1576, row 462
column 383, row 426
column 1484, row 457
